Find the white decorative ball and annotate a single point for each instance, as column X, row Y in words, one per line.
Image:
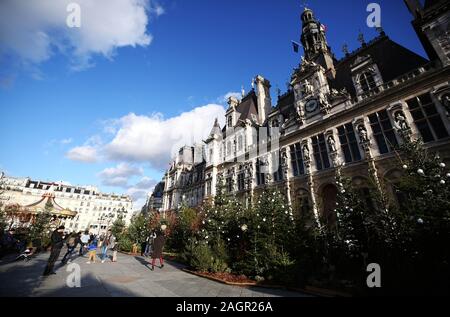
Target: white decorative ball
column 442, row 182
column 420, row 171
column 405, row 167
column 442, row 165
column 420, row 221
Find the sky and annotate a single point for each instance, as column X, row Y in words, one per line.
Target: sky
column 109, row 103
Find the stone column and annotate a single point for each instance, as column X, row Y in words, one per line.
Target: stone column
column 366, row 145
column 287, row 173
column 306, row 149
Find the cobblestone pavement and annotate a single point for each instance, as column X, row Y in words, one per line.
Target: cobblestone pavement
column 129, row 277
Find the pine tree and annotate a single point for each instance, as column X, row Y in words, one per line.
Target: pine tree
column 424, row 190
column 40, row 226
column 271, row 231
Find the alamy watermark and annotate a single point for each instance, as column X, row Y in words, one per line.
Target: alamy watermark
column 73, row 280
column 74, row 18
column 374, row 18
column 374, row 278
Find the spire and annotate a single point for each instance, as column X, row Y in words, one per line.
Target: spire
column 315, row 44
column 215, row 131
column 313, row 37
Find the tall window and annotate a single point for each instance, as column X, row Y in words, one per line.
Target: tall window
column 208, row 188
column 383, row 131
column 367, row 82
column 297, row 159
column 230, row 121
column 241, row 181
column 320, row 152
column 229, row 148
column 240, row 143
column 276, row 163
column 229, row 184
column 349, row 144
column 427, row 119
column 260, row 175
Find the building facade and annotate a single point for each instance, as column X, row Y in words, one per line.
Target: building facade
column 349, row 114
column 95, row 211
column 154, row 200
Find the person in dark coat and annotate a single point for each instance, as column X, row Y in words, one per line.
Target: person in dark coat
column 57, row 242
column 158, row 246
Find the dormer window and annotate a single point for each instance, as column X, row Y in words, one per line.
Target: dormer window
column 366, row 76
column 367, row 82
column 230, row 121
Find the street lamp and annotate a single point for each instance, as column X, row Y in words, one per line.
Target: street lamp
column 104, row 217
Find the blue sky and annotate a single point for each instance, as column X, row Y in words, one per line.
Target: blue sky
column 87, row 109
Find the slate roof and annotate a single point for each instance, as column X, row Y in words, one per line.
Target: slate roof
column 392, row 59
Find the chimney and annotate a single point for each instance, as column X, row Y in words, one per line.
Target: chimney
column 264, row 100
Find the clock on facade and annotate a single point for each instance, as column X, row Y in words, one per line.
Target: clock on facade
column 312, row 105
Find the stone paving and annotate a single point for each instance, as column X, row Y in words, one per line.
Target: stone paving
column 129, row 277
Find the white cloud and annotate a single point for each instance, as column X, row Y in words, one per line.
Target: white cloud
column 85, row 154
column 145, row 183
column 35, row 30
column 66, row 141
column 88, row 152
column 155, row 139
column 224, row 98
column 119, row 176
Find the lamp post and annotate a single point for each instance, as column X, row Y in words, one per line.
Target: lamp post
column 104, row 217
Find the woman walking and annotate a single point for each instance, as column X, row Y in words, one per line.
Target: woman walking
column 158, row 246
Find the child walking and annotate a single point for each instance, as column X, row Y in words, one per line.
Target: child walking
column 92, row 250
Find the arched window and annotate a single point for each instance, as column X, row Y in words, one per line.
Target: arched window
column 367, row 82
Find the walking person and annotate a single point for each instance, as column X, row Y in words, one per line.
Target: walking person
column 84, row 240
column 57, row 242
column 158, row 246
column 105, row 245
column 92, row 248
column 113, row 245
column 72, row 242
column 150, row 240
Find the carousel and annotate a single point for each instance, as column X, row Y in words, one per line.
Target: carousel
column 24, row 216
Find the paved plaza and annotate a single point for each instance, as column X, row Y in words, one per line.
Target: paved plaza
column 130, row 277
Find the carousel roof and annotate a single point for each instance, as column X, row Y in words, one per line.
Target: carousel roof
column 48, row 199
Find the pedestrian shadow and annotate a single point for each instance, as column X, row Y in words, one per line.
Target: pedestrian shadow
column 143, row 262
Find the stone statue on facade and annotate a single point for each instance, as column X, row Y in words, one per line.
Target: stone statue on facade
column 324, row 104
column 306, row 153
column 400, row 122
column 308, row 88
column 300, row 111
column 332, row 144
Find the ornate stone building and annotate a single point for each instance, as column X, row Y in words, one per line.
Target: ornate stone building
column 78, row 208
column 349, row 113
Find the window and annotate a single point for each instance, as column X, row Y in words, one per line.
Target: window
column 260, row 175
column 427, row 119
column 276, row 164
column 349, row 143
column 240, row 143
column 320, row 152
column 367, row 82
column 228, row 148
column 208, row 188
column 383, row 131
column 297, row 159
column 230, row 121
column 229, row 184
column 241, row 181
